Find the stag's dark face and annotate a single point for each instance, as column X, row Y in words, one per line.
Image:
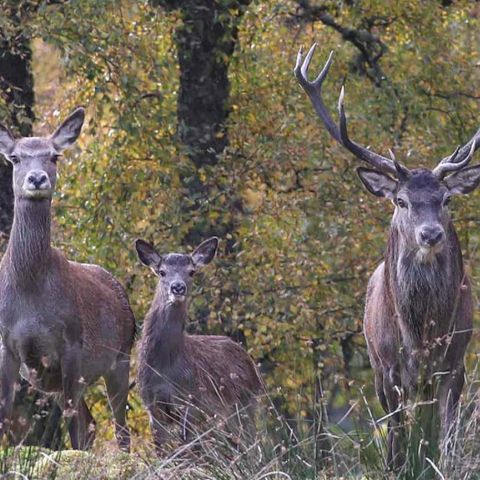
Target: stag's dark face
column 421, row 198
column 34, row 159
column 176, row 270
column 421, row 213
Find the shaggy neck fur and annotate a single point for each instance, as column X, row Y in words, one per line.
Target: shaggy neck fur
column 424, row 291
column 28, row 252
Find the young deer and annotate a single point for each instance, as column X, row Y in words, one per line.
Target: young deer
column 192, row 374
column 62, row 324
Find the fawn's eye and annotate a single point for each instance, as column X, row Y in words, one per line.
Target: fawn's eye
column 14, row 159
column 401, row 203
column 162, row 273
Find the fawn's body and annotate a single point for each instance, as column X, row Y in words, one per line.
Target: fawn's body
column 184, row 377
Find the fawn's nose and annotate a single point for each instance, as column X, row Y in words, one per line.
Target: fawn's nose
column 178, row 288
column 37, row 179
column 431, row 235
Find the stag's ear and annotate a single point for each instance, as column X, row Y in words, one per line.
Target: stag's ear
column 147, row 254
column 378, row 183
column 7, row 142
column 205, row 252
column 66, row 134
column 464, row 181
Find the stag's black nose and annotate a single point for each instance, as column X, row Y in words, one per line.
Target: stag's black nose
column 431, row 235
column 37, row 179
column 178, row 288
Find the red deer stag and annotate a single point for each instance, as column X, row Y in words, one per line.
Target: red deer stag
column 63, row 324
column 419, row 302
column 183, row 376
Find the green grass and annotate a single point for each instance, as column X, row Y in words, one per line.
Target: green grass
column 283, row 449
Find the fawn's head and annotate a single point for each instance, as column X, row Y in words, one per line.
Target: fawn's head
column 34, row 159
column 176, row 270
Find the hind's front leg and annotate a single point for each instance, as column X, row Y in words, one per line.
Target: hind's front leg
column 159, row 420
column 73, row 386
column 9, row 367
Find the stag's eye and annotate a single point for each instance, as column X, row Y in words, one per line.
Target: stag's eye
column 14, row 159
column 162, row 273
column 401, row 203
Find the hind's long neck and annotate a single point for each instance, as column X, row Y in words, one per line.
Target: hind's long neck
column 164, row 337
column 28, row 253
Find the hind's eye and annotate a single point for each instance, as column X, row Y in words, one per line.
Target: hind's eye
column 162, row 273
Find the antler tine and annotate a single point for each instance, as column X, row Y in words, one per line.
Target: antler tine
column 445, row 167
column 314, row 91
column 402, row 172
column 464, row 151
column 378, row 161
column 451, row 158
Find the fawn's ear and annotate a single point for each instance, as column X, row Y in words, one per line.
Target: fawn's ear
column 66, row 134
column 7, row 141
column 147, row 254
column 205, row 252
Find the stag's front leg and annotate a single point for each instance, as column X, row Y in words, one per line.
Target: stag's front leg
column 9, row 367
column 449, row 393
column 392, row 392
column 73, row 386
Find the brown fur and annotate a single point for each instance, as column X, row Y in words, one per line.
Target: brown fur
column 185, row 377
column 63, row 324
column 418, row 321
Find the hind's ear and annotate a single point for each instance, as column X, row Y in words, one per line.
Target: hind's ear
column 205, row 252
column 147, row 254
column 66, row 134
column 7, row 141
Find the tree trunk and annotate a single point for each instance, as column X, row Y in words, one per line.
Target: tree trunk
column 16, row 90
column 205, row 42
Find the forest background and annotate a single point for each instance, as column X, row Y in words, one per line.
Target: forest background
column 196, row 126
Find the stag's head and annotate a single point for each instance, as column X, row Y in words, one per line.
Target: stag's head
column 34, row 159
column 420, row 196
column 176, row 270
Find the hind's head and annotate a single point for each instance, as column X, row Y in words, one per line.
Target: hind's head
column 34, row 159
column 176, row 270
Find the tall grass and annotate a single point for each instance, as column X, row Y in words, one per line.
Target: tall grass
column 283, row 448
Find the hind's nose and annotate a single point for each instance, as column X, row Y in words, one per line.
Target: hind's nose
column 37, row 178
column 178, row 288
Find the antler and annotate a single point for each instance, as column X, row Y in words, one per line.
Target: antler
column 314, row 91
column 459, row 158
